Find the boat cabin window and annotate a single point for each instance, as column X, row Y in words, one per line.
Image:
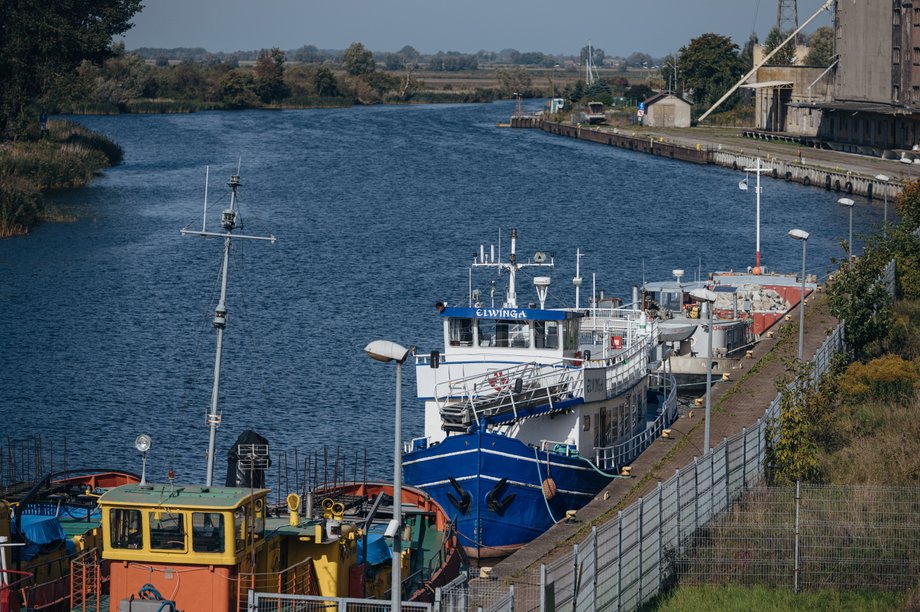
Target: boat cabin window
column 208, row 532
column 546, row 334
column 167, row 530
column 570, row 339
column 671, row 301
column 500, row 333
column 240, row 519
column 126, row 528
column 461, row 332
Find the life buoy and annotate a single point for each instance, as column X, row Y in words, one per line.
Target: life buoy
column 498, row 380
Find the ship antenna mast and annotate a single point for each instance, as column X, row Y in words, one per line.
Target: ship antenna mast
column 511, row 266
column 228, row 222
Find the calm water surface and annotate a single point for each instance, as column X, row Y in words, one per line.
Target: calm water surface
column 105, row 323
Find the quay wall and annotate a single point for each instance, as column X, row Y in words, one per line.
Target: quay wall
column 799, row 170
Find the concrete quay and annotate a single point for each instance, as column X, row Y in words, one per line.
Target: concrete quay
column 736, row 404
column 837, row 171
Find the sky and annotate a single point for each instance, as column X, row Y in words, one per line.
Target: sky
column 619, row 27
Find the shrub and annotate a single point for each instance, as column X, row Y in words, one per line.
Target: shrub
column 886, row 379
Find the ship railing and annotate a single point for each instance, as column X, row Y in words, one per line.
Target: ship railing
column 610, row 458
column 530, row 385
column 298, row 579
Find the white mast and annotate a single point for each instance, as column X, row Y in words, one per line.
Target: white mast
column 512, row 266
column 577, row 280
column 228, row 222
column 759, row 170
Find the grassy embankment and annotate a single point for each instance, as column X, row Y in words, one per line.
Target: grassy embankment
column 68, row 156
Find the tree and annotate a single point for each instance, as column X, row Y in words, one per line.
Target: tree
column 358, row 60
column 513, row 80
column 786, row 55
column 599, row 55
column 236, row 90
column 710, row 65
column 821, row 47
column 409, row 54
column 747, row 54
column 269, row 82
column 324, row 83
column 637, row 58
column 639, row 93
column 42, row 43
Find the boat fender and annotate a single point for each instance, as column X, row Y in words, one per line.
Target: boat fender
column 827, row 181
column 494, row 497
column 734, row 165
column 806, row 181
column 775, row 173
column 837, row 185
column 849, row 187
column 462, row 504
column 549, row 488
column 788, row 175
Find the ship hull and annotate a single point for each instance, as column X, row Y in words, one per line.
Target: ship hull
column 500, row 492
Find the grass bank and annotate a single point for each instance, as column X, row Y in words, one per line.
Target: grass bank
column 707, row 599
column 67, row 156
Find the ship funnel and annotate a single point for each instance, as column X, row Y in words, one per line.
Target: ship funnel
column 541, row 283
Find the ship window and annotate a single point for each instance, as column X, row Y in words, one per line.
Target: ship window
column 515, row 334
column 208, row 532
column 167, row 531
column 240, row 519
column 461, row 332
column 546, row 334
column 126, row 528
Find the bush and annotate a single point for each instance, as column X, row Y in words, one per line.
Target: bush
column 887, row 379
column 20, row 204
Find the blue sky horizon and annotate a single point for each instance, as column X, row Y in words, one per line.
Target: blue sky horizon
column 657, row 27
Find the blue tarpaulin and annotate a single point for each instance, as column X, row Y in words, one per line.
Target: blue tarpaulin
column 377, row 549
column 39, row 531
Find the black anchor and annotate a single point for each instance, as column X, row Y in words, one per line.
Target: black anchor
column 494, row 497
column 462, row 504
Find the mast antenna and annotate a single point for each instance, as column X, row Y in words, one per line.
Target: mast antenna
column 787, row 17
column 228, row 222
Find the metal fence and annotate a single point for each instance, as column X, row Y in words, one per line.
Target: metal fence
column 274, row 602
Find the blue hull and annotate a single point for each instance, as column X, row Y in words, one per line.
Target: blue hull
column 492, row 486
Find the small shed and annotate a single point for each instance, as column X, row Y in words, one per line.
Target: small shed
column 667, row 109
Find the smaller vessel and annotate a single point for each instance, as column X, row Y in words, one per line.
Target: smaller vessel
column 746, row 306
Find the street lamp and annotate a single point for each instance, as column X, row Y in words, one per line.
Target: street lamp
column 803, row 236
column 849, row 204
column 708, row 297
column 884, row 179
column 384, row 350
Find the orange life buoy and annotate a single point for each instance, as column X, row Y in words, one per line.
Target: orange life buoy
column 498, row 380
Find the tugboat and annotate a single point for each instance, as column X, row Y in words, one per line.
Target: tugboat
column 531, row 411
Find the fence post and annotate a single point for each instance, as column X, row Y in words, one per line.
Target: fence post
column 798, row 496
column 639, row 542
column 543, row 588
column 660, row 539
column 760, row 437
column 696, row 495
column 596, row 570
column 575, row 584
column 744, row 458
column 728, row 492
column 619, row 557
column 437, row 599
column 677, row 511
column 511, row 598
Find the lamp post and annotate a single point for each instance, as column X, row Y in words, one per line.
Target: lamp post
column 884, row 179
column 707, row 297
column 384, row 350
column 849, row 204
column 142, row 444
column 803, row 236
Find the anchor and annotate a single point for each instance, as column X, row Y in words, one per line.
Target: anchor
column 462, row 504
column 494, row 497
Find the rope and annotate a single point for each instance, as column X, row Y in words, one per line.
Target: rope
column 598, row 470
column 536, row 455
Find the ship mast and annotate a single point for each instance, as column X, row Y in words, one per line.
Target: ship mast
column 228, row 222
column 511, row 266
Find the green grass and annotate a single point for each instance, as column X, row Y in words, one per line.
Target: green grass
column 759, row 599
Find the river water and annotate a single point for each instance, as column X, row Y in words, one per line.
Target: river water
column 105, row 323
